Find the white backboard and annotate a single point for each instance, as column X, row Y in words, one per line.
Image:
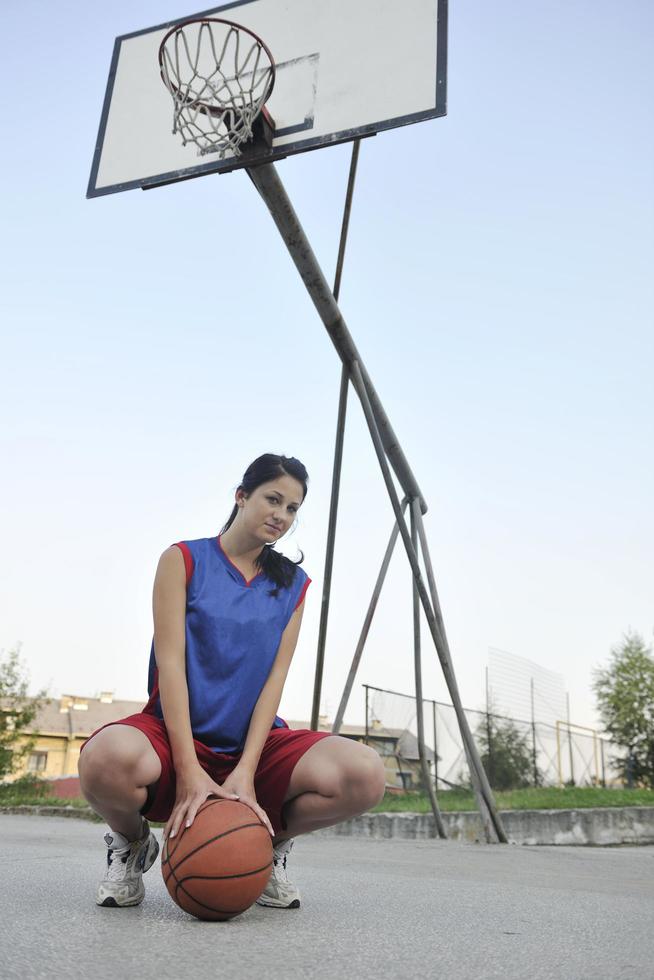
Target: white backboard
column 344, row 69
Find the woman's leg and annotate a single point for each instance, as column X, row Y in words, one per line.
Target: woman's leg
column 335, row 779
column 115, row 768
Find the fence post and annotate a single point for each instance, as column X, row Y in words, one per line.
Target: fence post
column 366, row 735
column 533, row 732
column 433, row 706
column 572, row 765
column 489, row 736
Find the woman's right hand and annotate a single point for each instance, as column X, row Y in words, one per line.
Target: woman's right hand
column 193, row 787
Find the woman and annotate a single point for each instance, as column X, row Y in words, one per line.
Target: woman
column 227, row 614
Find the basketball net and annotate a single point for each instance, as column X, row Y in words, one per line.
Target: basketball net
column 219, row 75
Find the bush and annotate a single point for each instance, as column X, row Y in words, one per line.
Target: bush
column 625, row 699
column 27, row 785
column 506, row 754
column 17, row 712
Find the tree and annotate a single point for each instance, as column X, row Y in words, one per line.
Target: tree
column 506, row 753
column 625, row 700
column 17, row 712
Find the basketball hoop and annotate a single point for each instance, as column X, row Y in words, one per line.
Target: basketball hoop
column 220, row 76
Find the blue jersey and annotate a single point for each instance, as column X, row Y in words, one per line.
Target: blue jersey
column 233, row 630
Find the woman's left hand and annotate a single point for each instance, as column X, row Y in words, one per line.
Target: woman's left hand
column 242, row 783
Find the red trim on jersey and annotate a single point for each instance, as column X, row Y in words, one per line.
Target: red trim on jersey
column 154, row 697
column 235, row 566
column 302, row 594
column 188, row 558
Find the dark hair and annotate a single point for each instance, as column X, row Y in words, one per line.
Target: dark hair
column 275, row 566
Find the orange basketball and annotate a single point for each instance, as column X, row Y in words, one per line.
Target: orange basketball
column 217, row 867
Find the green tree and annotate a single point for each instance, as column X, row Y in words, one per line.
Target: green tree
column 625, row 700
column 506, row 753
column 17, row 712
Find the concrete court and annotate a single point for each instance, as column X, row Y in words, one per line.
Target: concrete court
column 372, row 909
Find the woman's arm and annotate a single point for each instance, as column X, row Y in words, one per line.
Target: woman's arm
column 241, row 779
column 169, row 610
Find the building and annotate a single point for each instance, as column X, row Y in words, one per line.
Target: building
column 398, row 748
column 60, row 728
column 64, row 723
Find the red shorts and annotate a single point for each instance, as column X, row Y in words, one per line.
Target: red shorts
column 281, row 752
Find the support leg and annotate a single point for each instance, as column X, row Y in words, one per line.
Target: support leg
column 490, row 817
column 424, row 767
column 338, row 721
column 338, row 454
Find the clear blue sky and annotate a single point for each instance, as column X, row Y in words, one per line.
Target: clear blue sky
column 498, row 283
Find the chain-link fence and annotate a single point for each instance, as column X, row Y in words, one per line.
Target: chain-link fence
column 515, row 752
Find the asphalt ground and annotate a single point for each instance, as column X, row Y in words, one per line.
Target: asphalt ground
column 371, row 909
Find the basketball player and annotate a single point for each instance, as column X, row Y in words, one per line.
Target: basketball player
column 227, row 614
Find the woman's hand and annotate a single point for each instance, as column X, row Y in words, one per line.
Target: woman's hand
column 194, row 785
column 241, row 782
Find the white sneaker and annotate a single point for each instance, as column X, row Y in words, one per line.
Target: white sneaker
column 122, row 884
column 280, row 893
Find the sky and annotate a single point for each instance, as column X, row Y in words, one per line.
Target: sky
column 497, row 284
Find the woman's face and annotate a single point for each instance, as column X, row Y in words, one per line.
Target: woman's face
column 269, row 511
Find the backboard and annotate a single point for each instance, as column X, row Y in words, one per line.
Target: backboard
column 344, row 69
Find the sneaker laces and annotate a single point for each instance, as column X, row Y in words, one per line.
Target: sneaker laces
column 117, row 862
column 280, row 855
column 118, row 857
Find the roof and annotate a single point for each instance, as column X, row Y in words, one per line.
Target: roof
column 406, row 741
column 79, row 716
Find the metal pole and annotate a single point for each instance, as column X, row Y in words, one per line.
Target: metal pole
column 329, row 554
column 366, row 736
column 271, row 189
column 602, row 757
column 422, row 755
column 533, row 732
column 481, row 786
column 338, row 457
column 572, row 770
column 558, row 753
column 433, row 707
column 347, row 690
column 354, row 162
column 489, row 734
column 490, row 817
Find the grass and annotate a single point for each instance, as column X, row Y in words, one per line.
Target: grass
column 29, row 791
column 544, row 798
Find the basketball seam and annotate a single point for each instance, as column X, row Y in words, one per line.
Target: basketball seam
column 203, row 806
column 169, row 852
column 210, row 908
column 242, row 874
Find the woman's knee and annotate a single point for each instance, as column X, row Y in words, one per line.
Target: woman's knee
column 344, row 770
column 364, row 777
column 369, row 776
column 119, row 755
